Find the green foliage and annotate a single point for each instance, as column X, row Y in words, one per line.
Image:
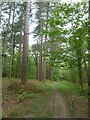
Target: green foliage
column 24, row 95
column 31, row 68
column 5, row 69
column 68, row 40
column 69, row 87
column 72, row 88
column 66, row 44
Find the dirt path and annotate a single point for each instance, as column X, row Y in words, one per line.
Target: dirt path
column 48, row 103
column 58, row 105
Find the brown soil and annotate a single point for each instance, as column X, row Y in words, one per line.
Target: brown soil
column 58, row 105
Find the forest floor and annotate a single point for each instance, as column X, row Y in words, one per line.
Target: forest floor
column 46, row 100
column 58, row 105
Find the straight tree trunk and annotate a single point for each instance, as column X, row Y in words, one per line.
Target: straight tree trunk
column 86, row 69
column 44, row 59
column 18, row 68
column 20, row 54
column 4, row 42
column 80, row 67
column 10, row 6
column 12, row 45
column 89, row 63
column 25, row 45
column 37, row 63
column 40, row 61
column 0, row 50
column 3, row 50
column 0, row 66
column 40, row 72
column 0, row 12
column 89, row 51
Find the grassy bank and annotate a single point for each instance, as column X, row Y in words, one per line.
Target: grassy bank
column 77, row 101
column 71, row 88
column 32, row 99
column 26, row 101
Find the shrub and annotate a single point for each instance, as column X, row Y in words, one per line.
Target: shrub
column 30, row 87
column 14, row 86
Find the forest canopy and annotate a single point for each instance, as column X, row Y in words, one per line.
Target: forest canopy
column 56, row 62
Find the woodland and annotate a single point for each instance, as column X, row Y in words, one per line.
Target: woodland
column 49, row 78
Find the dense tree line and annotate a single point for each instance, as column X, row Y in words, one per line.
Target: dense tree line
column 61, row 33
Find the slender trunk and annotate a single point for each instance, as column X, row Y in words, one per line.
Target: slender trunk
column 38, row 67
column 89, row 62
column 79, row 62
column 40, row 62
column 37, row 63
column 20, row 53
column 12, row 49
column 89, row 50
column 44, row 59
column 80, row 68
column 0, row 66
column 18, row 68
column 86, row 69
column 25, row 46
column 4, row 42
column 3, row 50
column 51, row 77
column 0, row 12
column 40, row 52
column 10, row 6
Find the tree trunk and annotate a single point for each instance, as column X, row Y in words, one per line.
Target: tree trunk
column 0, row 66
column 12, row 44
column 86, row 69
column 89, row 61
column 4, row 42
column 80, row 68
column 40, row 61
column 20, row 54
column 25, row 45
column 0, row 12
column 89, row 51
column 37, row 63
column 40, row 72
column 44, row 59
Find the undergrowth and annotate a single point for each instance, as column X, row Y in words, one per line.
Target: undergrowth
column 72, row 88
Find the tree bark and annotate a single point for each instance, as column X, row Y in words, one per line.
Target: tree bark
column 37, row 63
column 89, row 50
column 79, row 62
column 44, row 59
column 40, row 61
column 0, row 12
column 12, row 45
column 25, row 45
column 89, row 62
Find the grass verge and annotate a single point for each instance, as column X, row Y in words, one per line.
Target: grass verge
column 25, row 101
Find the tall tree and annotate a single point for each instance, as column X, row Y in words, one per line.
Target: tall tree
column 0, row 11
column 12, row 44
column 4, row 40
column 0, row 44
column 44, row 44
column 89, row 48
column 25, row 45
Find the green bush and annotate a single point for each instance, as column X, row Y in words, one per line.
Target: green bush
column 25, row 95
